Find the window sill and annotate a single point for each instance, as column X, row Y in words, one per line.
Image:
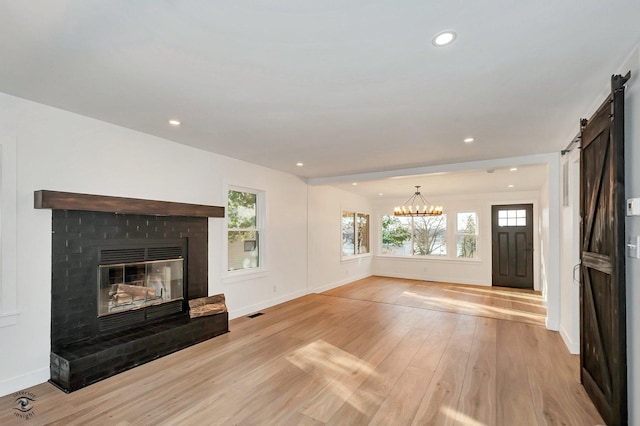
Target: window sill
column 8, row 319
column 355, row 258
column 244, row 275
column 442, row 259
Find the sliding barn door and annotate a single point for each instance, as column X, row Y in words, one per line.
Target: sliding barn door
column 603, row 362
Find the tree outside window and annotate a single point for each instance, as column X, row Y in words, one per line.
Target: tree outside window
column 430, row 235
column 362, row 221
column 348, row 233
column 355, row 233
column 467, row 235
column 243, row 232
column 414, row 236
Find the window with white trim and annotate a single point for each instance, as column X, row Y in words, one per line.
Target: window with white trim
column 467, row 235
column 355, row 233
column 243, row 230
column 414, row 236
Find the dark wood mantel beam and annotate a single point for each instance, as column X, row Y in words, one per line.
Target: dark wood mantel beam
column 57, row 200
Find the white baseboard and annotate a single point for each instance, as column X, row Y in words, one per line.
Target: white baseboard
column 574, row 347
column 235, row 313
column 24, row 381
column 423, row 277
column 335, row 284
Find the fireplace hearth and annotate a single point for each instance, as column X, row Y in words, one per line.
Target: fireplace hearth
column 121, row 283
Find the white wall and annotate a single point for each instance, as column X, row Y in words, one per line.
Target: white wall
column 467, row 271
column 57, row 150
column 326, row 267
column 632, row 187
column 570, row 256
column 549, row 236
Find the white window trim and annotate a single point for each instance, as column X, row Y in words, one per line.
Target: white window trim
column 456, row 233
column 354, row 257
column 452, row 251
column 428, row 258
column 8, row 235
column 415, row 256
column 262, row 270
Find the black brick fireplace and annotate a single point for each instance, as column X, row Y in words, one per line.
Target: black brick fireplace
column 101, row 329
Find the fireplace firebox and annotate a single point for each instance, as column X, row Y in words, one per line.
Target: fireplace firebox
column 140, row 281
column 127, row 286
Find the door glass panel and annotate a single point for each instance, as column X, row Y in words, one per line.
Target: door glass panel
column 512, row 218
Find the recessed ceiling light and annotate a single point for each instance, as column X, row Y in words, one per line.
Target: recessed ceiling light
column 443, row 38
column 380, row 194
column 354, row 183
column 510, row 186
column 513, row 169
column 174, row 122
column 299, row 164
column 468, row 140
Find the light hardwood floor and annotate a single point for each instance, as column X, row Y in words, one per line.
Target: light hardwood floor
column 380, row 351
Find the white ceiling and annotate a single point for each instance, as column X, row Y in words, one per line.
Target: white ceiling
column 346, row 86
column 434, row 185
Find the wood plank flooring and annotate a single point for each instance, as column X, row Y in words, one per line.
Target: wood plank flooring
column 380, row 351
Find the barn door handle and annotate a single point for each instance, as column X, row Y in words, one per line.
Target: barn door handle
column 576, row 267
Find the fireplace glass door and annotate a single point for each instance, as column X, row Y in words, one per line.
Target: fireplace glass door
column 128, row 286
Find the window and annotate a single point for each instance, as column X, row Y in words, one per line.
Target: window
column 467, row 235
column 243, row 230
column 348, row 234
column 362, row 227
column 512, row 218
column 414, row 236
column 355, row 233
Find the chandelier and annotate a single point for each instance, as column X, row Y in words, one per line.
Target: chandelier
column 416, row 205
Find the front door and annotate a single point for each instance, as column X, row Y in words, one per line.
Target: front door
column 603, row 362
column 512, row 242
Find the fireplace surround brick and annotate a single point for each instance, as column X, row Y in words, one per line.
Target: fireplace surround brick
column 80, row 354
column 77, row 235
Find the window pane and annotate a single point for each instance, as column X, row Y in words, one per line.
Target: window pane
column 348, row 233
column 522, row 221
column 502, row 213
column 363, row 233
column 467, row 223
column 467, row 246
column 430, row 235
column 396, row 235
column 243, row 250
column 502, row 221
column 242, row 236
column 242, row 210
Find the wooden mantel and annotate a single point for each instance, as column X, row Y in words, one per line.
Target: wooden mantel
column 57, row 200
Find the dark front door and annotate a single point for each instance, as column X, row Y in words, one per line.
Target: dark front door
column 512, row 241
column 603, row 363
